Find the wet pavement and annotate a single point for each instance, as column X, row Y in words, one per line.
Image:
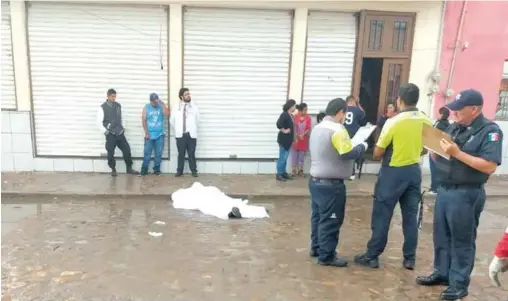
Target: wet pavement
column 40, row 183
column 64, row 249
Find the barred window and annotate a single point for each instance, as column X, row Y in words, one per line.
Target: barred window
column 502, row 106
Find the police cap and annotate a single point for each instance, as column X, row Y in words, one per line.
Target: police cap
column 466, row 98
column 335, row 106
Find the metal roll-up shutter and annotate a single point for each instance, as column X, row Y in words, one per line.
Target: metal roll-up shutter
column 78, row 52
column 8, row 84
column 329, row 63
column 236, row 64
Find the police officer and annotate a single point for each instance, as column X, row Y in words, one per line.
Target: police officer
column 399, row 179
column 332, row 155
column 475, row 154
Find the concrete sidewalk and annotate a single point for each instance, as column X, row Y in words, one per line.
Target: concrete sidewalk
column 250, row 186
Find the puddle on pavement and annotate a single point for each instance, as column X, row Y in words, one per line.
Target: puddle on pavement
column 100, row 249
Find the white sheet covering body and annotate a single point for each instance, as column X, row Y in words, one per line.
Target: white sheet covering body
column 211, row 201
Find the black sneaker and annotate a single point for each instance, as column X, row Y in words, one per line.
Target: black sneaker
column 408, row 264
column 113, row 172
column 453, row 294
column 143, row 172
column 366, row 261
column 313, row 253
column 132, row 171
column 431, row 280
column 235, row 213
column 280, row 178
column 336, row 262
column 287, row 176
column 157, row 172
column 178, row 174
column 195, row 174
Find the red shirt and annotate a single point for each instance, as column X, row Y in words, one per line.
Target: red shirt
column 501, row 250
column 302, row 125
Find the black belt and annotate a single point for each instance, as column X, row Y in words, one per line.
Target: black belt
column 458, row 186
column 324, row 180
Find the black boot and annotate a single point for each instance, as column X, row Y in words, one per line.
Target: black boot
column 453, row 294
column 408, row 264
column 235, row 213
column 113, row 172
column 131, row 171
column 335, row 262
column 366, row 261
column 431, row 280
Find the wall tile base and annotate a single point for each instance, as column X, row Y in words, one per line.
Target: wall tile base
column 17, row 155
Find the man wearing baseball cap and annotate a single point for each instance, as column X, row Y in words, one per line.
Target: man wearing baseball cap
column 153, row 117
column 475, row 152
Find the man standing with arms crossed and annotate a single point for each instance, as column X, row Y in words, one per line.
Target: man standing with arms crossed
column 332, row 156
column 153, row 117
column 475, row 153
column 400, row 178
column 109, row 118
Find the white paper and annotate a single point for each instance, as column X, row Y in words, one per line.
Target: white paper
column 363, row 134
column 211, row 201
column 155, row 234
column 159, row 223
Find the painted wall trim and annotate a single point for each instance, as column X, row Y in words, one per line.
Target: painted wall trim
column 20, row 55
column 299, row 46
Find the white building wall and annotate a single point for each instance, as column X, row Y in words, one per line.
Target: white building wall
column 17, row 141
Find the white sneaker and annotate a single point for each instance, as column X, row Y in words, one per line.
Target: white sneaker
column 352, row 178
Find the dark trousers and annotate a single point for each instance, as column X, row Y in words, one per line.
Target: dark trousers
column 433, row 181
column 396, row 185
column 112, row 141
column 456, row 218
column 328, row 202
column 186, row 144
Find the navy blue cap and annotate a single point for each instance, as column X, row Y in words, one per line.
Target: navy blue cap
column 154, row 97
column 466, row 98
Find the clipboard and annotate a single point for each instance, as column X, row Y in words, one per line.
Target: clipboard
column 431, row 137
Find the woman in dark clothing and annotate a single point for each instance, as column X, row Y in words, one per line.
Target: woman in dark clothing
column 320, row 117
column 442, row 123
column 285, row 138
column 389, row 113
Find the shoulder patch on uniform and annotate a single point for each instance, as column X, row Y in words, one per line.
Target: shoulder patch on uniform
column 493, row 137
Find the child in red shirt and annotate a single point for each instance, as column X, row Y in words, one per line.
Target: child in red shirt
column 303, row 125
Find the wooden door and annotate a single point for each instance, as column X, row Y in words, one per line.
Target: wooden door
column 395, row 72
column 382, row 35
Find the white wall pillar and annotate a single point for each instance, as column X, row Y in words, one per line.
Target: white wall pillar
column 175, row 52
column 20, row 55
column 298, row 54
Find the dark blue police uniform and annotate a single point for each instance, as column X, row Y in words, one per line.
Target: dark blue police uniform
column 460, row 200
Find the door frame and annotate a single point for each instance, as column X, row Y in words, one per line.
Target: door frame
column 362, row 39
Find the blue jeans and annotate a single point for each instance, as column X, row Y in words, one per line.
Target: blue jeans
column 282, row 162
column 396, row 185
column 433, row 182
column 157, row 145
column 328, row 202
column 456, row 218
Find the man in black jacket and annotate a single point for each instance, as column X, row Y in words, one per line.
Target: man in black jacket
column 109, row 117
